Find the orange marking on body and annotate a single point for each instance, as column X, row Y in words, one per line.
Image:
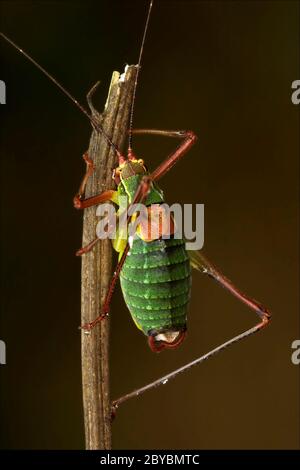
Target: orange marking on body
column 158, row 222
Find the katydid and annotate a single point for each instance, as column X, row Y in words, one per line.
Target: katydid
column 156, row 277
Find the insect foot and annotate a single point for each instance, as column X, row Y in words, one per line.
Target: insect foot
column 265, row 314
column 113, row 412
column 88, row 161
column 87, row 327
column 80, row 252
column 77, row 202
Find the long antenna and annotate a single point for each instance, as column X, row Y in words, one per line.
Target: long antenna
column 136, row 79
column 97, row 126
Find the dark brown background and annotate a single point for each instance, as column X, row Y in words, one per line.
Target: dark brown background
column 223, row 69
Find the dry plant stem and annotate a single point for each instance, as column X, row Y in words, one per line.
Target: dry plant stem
column 97, row 264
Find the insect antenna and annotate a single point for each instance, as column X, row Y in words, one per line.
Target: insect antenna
column 130, row 153
column 96, row 125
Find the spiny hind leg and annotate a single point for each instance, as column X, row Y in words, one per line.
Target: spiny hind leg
column 202, row 264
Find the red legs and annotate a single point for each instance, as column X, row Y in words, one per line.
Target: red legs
column 197, row 259
column 87, row 248
column 140, row 195
column 189, row 140
column 105, row 196
column 79, row 201
column 199, row 262
column 202, row 264
column 89, row 171
column 94, row 200
column 105, row 309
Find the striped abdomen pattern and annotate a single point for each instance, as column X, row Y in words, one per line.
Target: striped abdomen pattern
column 156, row 284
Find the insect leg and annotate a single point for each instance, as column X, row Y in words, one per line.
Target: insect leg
column 189, row 140
column 199, row 262
column 163, row 380
column 202, row 264
column 139, row 197
column 105, row 309
column 87, row 248
column 79, row 201
column 89, row 171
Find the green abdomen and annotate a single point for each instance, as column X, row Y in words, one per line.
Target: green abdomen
column 156, row 284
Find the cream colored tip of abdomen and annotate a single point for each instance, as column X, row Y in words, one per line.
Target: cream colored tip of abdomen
column 168, row 336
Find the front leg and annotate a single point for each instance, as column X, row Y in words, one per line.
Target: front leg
column 189, row 140
column 79, row 201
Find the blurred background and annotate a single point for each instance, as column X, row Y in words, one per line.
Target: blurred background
column 223, row 69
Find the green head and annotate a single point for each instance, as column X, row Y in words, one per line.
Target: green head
column 128, row 176
column 129, row 168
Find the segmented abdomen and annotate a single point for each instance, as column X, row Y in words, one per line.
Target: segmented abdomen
column 156, row 284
